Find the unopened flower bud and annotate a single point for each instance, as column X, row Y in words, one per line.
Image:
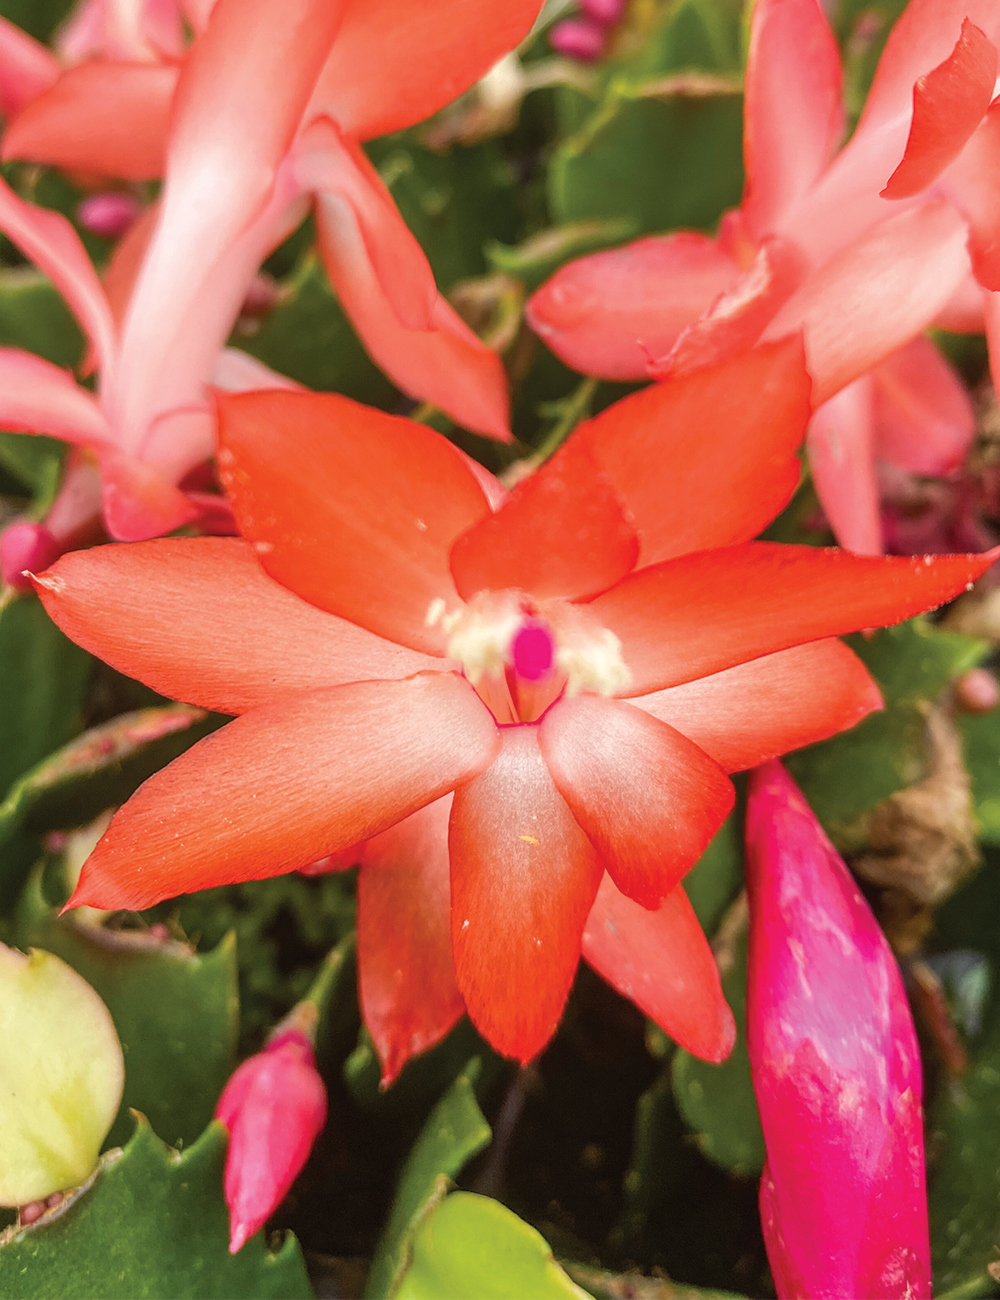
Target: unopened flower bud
column 274, row 1107
column 109, row 214
column 26, row 547
column 835, row 1067
column 61, row 1077
column 578, row 38
column 607, row 12
column 977, row 691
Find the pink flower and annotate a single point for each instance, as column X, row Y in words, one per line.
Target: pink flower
column 862, row 248
column 274, row 1107
column 836, row 1068
column 240, row 169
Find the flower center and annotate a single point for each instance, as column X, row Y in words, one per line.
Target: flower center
column 521, row 655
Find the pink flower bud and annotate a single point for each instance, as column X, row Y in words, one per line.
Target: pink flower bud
column 108, row 215
column 274, row 1107
column 26, row 547
column 835, row 1065
column 977, row 691
column 578, row 38
column 606, row 12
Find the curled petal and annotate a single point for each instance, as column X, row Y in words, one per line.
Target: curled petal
column 948, row 105
column 661, row 961
column 196, row 618
column 446, row 364
column 746, row 715
column 38, row 397
column 841, row 451
column 139, row 502
column 648, row 798
column 352, row 509
column 406, row 970
column 287, row 784
column 696, row 615
column 794, row 116
column 523, row 879
column 108, row 118
column 973, row 185
column 563, row 532
column 608, row 313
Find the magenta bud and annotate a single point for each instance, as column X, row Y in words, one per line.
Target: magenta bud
column 274, row 1106
column 109, row 214
column 977, row 691
column 606, row 12
column 835, row 1066
column 26, row 547
column 578, row 38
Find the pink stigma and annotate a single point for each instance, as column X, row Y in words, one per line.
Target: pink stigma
column 534, row 651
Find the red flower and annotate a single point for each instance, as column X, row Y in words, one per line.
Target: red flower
column 375, row 663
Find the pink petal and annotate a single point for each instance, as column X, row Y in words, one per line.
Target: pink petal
column 608, row 313
column 108, row 118
column 563, row 532
column 406, row 970
column 38, row 397
column 737, row 319
column 328, row 164
column 746, row 715
column 446, row 365
column 973, row 185
column 289, row 783
column 523, row 879
column 794, row 118
column 696, row 615
column 876, row 294
column 198, row 619
column 948, row 105
column 648, row 798
column 27, row 68
column 47, row 239
column 661, row 961
column 841, row 451
column 924, row 418
column 237, row 371
column 372, row 84
column 139, row 502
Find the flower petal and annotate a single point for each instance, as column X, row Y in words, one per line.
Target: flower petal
column 648, row 798
column 523, row 879
column 196, row 618
column 696, row 615
column 608, row 313
column 396, row 62
column 842, row 459
column 948, row 105
column 745, row 715
column 973, row 185
column 709, row 459
column 38, row 397
column 139, row 502
column 289, row 783
column 27, row 68
column 406, row 971
column 352, row 509
column 924, row 419
column 446, row 365
column 563, row 532
column 876, row 294
column 108, row 118
column 661, row 961
column 47, row 239
column 793, row 112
